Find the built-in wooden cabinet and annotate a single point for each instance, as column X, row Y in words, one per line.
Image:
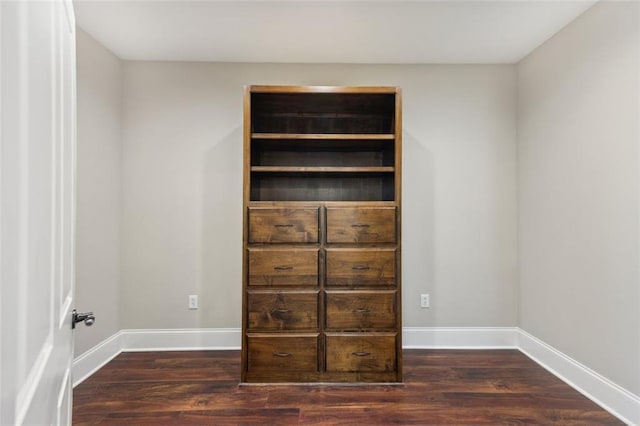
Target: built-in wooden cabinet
column 321, row 250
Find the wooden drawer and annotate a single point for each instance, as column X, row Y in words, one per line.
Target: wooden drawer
column 361, row 352
column 361, row 224
column 361, row 267
column 361, row 310
column 282, row 353
column 282, row 310
column 272, row 267
column 283, row 225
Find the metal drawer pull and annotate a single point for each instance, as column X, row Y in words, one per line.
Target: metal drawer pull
column 287, row 225
column 359, row 225
column 361, row 353
column 360, row 268
column 282, row 354
column 281, row 311
column 361, row 311
column 283, row 268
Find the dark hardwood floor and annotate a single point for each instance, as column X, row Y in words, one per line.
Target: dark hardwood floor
column 446, row 387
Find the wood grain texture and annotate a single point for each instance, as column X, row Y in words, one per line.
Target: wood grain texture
column 282, row 310
column 273, row 267
column 323, row 144
column 361, row 352
column 360, row 310
column 361, row 225
column 361, row 267
column 444, row 387
column 283, row 225
column 272, row 353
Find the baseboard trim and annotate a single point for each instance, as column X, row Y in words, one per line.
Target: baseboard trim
column 460, row 337
column 152, row 340
column 613, row 398
column 191, row 339
column 95, row 358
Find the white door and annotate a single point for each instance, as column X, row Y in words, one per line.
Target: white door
column 37, row 196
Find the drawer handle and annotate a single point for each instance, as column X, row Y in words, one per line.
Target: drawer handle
column 282, row 354
column 283, row 268
column 361, row 311
column 359, row 225
column 283, row 225
column 281, row 311
column 360, row 268
column 361, row 353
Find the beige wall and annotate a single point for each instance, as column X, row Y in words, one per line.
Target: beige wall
column 160, row 157
column 182, row 191
column 578, row 187
column 98, row 190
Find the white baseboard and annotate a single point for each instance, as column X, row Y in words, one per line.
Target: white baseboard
column 460, row 337
column 95, row 358
column 191, row 339
column 618, row 401
column 152, row 340
column 613, row 398
column 230, row 339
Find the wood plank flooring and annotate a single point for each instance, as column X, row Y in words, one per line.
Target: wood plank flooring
column 446, row 387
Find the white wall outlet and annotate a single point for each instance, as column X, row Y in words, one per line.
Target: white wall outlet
column 193, row 301
column 424, row 301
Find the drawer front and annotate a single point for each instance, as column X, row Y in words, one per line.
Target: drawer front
column 282, row 310
column 361, row 225
column 361, row 310
column 282, row 353
column 361, row 267
column 276, row 225
column 361, row 352
column 283, row 267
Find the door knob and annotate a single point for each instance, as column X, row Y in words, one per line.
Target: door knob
column 87, row 317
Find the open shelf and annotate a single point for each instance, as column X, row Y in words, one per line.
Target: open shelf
column 305, row 186
column 324, row 136
column 315, row 169
column 330, row 153
column 323, row 113
column 322, row 146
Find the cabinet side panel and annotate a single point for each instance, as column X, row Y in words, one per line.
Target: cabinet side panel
column 398, row 194
column 245, row 222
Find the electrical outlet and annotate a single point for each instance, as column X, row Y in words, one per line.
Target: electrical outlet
column 424, row 301
column 193, row 301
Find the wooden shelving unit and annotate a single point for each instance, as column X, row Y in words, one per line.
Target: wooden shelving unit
column 321, row 250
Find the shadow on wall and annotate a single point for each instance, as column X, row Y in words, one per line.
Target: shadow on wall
column 221, row 263
column 418, row 235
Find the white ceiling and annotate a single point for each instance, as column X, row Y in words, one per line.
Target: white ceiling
column 326, row 31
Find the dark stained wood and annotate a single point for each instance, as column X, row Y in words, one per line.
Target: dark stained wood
column 361, row 225
column 282, row 310
column 291, row 266
column 356, row 352
column 321, row 202
column 361, row 267
column 356, row 151
column 445, row 387
column 314, row 186
column 321, row 169
column 273, row 353
column 313, row 113
column 361, row 310
column 283, row 225
column 324, row 136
